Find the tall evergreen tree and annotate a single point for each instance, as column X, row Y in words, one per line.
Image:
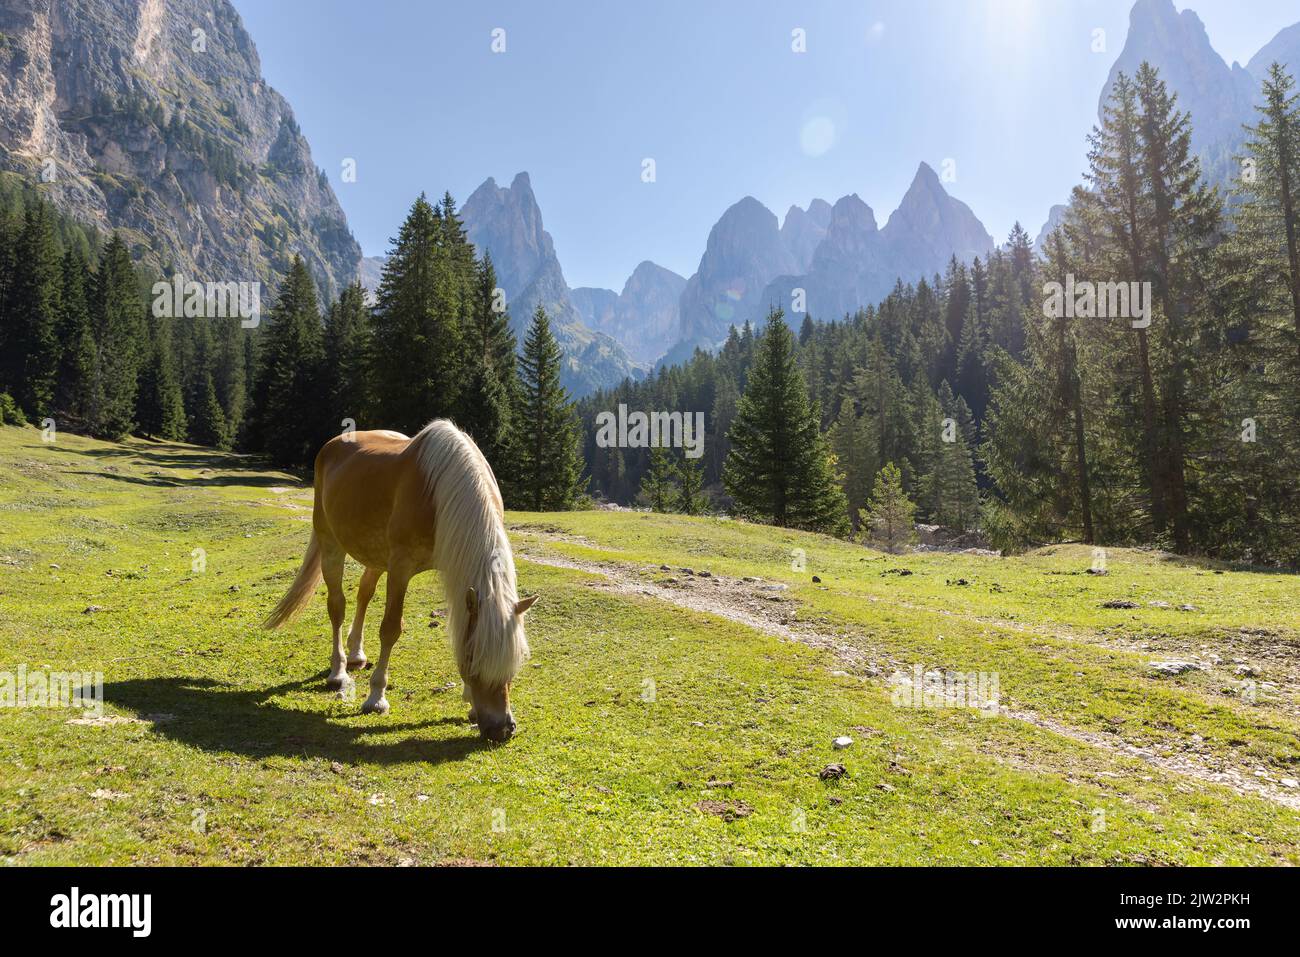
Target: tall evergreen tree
column 291, row 424
column 119, row 316
column 417, row 321
column 79, row 395
column 547, row 472
column 779, row 469
column 31, row 348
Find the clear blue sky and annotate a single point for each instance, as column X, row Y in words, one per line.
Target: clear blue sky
column 711, row 90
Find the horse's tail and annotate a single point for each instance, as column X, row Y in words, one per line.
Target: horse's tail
column 302, row 589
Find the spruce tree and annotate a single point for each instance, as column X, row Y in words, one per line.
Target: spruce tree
column 779, row 469
column 347, row 357
column 548, row 471
column 288, row 398
column 31, row 348
column 160, row 408
column 659, row 487
column 79, row 395
column 416, row 357
column 889, row 511
column 119, row 316
column 491, row 388
column 690, row 480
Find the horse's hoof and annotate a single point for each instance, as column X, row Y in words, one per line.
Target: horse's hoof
column 335, row 684
column 358, row 664
column 472, row 717
column 375, row 707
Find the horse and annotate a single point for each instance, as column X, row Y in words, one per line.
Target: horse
column 404, row 506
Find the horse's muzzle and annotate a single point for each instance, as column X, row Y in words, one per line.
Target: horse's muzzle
column 498, row 732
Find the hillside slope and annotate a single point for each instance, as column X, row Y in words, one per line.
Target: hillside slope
column 665, row 717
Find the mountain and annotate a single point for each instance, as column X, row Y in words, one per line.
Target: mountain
column 804, row 229
column 507, row 223
column 744, row 252
column 857, row 264
column 644, row 317
column 1055, row 218
column 151, row 117
column 1284, row 48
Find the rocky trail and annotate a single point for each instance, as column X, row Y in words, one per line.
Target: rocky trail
column 766, row 607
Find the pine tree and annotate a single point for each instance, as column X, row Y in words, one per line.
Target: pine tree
column 889, row 511
column 79, row 394
column 659, row 487
column 31, row 348
column 548, row 471
column 119, row 316
column 416, row 358
column 347, row 356
column 779, row 469
column 690, row 479
column 291, row 424
column 160, row 408
column 491, row 390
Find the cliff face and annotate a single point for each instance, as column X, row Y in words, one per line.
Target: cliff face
column 507, row 222
column 151, row 117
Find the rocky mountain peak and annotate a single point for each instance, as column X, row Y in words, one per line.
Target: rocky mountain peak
column 168, row 135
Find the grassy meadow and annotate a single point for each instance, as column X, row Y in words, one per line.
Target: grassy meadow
column 666, row 716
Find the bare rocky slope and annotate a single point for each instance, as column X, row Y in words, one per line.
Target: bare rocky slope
column 151, row 117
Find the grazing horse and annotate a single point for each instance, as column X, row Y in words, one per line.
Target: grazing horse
column 404, row 506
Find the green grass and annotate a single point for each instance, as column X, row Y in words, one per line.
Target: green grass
column 638, row 719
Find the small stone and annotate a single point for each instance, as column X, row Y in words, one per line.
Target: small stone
column 93, row 609
column 833, row 772
column 1171, row 668
column 1290, row 783
column 1246, row 671
column 336, row 767
column 1119, row 603
column 842, row 742
column 816, row 580
column 1096, row 571
column 1187, row 608
column 233, row 588
column 706, row 574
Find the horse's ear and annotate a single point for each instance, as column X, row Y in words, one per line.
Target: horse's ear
column 471, row 601
column 523, row 604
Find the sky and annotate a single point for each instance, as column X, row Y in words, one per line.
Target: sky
column 997, row 93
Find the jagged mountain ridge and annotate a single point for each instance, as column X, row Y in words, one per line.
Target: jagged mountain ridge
column 644, row 316
column 749, row 265
column 507, row 223
column 168, row 135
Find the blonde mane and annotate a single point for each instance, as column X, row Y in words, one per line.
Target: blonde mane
column 471, row 550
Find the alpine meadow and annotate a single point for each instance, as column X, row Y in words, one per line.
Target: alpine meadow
column 338, row 528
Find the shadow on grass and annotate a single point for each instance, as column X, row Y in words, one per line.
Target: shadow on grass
column 217, row 717
column 240, row 469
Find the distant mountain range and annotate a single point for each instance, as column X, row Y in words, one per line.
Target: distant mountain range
column 203, row 169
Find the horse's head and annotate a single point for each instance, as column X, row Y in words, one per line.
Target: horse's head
column 495, row 647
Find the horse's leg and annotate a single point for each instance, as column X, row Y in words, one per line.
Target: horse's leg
column 331, row 566
column 365, row 592
column 389, row 631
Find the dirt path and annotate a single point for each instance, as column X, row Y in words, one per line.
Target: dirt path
column 765, row 607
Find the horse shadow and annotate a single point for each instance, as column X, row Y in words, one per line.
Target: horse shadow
column 218, row 717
